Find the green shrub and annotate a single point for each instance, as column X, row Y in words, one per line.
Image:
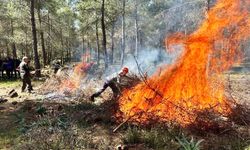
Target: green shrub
column 132, row 136
column 189, row 144
column 156, row 139
column 41, row 110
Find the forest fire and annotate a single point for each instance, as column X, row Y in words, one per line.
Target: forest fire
column 195, row 82
column 79, row 72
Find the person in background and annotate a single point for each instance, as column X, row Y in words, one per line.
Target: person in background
column 113, row 83
column 15, row 67
column 56, row 65
column 8, row 66
column 25, row 74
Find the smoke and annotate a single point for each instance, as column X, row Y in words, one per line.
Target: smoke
column 148, row 60
column 182, row 16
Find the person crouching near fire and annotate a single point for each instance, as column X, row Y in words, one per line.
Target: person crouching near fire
column 113, row 82
column 25, row 74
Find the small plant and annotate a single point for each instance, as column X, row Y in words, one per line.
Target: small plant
column 22, row 126
column 132, row 136
column 62, row 122
column 156, row 138
column 189, row 145
column 41, row 110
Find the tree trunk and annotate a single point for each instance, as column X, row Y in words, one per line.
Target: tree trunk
column 112, row 43
column 123, row 33
column 13, row 43
column 48, row 41
column 33, row 25
column 97, row 37
column 43, row 49
column 97, row 43
column 88, row 52
column 83, row 44
column 68, row 50
column 7, row 49
column 26, row 44
column 104, row 42
column 62, row 48
column 141, row 37
column 42, row 34
column 136, row 29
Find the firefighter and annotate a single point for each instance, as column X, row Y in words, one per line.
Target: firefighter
column 25, row 74
column 113, row 83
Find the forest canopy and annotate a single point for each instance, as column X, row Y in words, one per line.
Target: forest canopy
column 108, row 30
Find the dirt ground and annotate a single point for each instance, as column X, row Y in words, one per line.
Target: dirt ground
column 84, row 118
column 240, row 87
column 89, row 125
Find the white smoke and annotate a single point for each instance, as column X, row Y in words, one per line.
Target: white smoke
column 148, row 60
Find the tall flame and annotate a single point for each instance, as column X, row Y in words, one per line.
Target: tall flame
column 195, row 82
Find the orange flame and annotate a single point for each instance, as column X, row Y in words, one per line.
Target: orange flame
column 79, row 72
column 195, row 82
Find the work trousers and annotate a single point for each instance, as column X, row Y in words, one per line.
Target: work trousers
column 26, row 82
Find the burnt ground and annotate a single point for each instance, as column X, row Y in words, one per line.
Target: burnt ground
column 38, row 121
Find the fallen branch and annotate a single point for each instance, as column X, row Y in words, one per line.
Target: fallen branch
column 121, row 124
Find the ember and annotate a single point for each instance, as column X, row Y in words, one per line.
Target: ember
column 195, row 82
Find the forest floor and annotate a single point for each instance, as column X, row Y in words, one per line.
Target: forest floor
column 32, row 121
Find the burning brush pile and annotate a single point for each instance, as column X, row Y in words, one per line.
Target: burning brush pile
column 68, row 81
column 192, row 90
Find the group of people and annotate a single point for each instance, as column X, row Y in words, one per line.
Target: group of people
column 8, row 68
column 11, row 68
column 114, row 82
column 23, row 68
